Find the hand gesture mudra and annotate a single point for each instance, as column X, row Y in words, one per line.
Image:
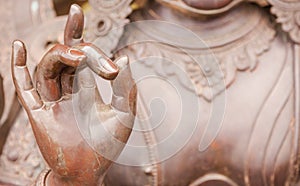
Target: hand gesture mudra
column 49, row 106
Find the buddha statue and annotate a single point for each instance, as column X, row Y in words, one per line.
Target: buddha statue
column 207, row 95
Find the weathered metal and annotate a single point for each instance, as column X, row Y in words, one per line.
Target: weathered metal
column 253, row 74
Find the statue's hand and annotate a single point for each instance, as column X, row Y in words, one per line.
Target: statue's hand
column 50, row 106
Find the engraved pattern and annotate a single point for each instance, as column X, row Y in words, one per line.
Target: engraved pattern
column 295, row 155
column 154, row 170
column 288, row 15
column 266, row 123
column 206, row 77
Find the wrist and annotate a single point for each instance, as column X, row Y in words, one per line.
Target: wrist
column 41, row 180
column 49, row 178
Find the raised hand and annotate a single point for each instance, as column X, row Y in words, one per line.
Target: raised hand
column 75, row 159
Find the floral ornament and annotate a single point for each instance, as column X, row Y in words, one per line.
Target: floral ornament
column 288, row 15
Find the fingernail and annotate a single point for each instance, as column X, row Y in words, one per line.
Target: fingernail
column 77, row 54
column 122, row 62
column 19, row 53
column 77, row 21
column 109, row 65
column 98, row 61
column 75, row 9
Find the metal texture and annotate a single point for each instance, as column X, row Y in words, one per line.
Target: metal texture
column 258, row 143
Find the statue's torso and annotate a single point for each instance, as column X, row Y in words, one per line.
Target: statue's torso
column 252, row 121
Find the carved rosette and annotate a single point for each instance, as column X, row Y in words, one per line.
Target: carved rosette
column 106, row 21
column 288, row 15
